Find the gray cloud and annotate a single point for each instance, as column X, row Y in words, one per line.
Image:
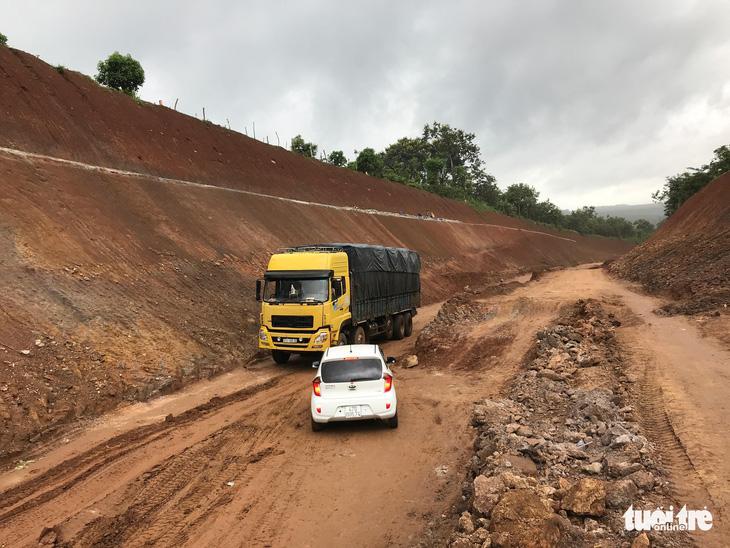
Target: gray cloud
column 590, row 103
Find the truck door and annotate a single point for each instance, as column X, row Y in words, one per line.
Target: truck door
column 340, row 304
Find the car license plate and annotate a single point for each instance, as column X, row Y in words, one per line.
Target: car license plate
column 352, row 411
column 289, row 340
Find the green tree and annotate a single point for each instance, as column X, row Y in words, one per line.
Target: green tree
column 582, row 220
column 456, row 148
column 404, row 161
column 644, row 228
column 435, row 172
column 547, row 213
column 337, row 158
column 370, row 162
column 487, row 191
column 681, row 187
column 300, row 146
column 120, row 72
column 522, row 198
column 3, row 39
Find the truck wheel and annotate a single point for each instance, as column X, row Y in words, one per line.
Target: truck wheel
column 342, row 338
column 388, row 328
column 399, row 327
column 357, row 336
column 280, row 356
column 408, row 320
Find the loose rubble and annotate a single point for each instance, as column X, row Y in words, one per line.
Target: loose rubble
column 559, row 461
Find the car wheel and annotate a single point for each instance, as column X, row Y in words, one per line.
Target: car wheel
column 399, row 327
column 358, row 336
column 342, row 338
column 388, row 331
column 316, row 426
column 408, row 320
column 393, row 421
column 280, row 356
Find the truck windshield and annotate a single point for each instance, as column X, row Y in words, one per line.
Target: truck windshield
column 296, row 291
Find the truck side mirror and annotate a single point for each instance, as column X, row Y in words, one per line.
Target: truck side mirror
column 258, row 290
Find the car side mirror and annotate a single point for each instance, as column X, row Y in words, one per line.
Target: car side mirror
column 258, row 290
column 390, row 359
column 315, row 365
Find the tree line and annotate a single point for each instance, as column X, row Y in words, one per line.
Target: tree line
column 446, row 161
column 679, row 188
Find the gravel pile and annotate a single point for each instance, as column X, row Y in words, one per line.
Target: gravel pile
column 559, row 461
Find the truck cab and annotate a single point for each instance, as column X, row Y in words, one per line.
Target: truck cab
column 305, row 302
column 322, row 295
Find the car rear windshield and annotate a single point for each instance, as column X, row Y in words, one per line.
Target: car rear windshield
column 361, row 369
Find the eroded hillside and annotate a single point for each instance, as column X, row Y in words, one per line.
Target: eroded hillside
column 131, row 238
column 688, row 258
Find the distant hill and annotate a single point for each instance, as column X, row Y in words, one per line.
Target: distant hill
column 651, row 212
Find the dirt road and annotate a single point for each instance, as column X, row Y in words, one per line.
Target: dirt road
column 233, row 462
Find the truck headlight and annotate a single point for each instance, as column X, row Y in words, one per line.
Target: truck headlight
column 263, row 336
column 321, row 337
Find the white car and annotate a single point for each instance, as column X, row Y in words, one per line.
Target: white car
column 353, row 382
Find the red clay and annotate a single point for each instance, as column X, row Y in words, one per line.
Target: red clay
column 122, row 287
column 688, row 258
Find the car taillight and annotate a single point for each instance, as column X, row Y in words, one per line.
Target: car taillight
column 315, row 386
column 388, row 382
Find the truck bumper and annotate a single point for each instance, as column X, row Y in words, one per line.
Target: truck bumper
column 295, row 342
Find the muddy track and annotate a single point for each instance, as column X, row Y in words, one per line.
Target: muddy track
column 686, row 483
column 244, row 468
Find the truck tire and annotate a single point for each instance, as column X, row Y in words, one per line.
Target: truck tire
column 280, row 356
column 388, row 328
column 408, row 320
column 357, row 336
column 399, row 327
column 341, row 338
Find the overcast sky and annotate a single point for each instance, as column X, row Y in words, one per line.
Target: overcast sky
column 593, row 103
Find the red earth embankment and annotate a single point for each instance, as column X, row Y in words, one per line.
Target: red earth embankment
column 688, row 258
column 116, row 287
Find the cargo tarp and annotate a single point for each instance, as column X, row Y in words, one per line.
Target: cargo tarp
column 385, row 280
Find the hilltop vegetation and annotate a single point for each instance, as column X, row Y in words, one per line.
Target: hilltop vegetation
column 447, row 162
column 679, row 188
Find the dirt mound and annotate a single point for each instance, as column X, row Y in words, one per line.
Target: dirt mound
column 558, row 461
column 131, row 237
column 688, row 258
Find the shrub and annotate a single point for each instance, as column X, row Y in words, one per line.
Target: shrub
column 3, row 39
column 121, row 72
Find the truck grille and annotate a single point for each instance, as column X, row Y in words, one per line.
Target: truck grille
column 293, row 322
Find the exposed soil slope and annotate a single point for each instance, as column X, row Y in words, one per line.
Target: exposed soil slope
column 117, row 286
column 688, row 258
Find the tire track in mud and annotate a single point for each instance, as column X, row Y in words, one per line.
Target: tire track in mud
column 25, row 504
column 192, row 497
column 684, row 479
column 180, row 495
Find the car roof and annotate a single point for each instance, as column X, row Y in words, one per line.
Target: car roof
column 351, row 350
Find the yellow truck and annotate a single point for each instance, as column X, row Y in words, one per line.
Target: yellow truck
column 317, row 296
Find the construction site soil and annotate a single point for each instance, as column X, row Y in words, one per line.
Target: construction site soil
column 688, row 258
column 131, row 237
